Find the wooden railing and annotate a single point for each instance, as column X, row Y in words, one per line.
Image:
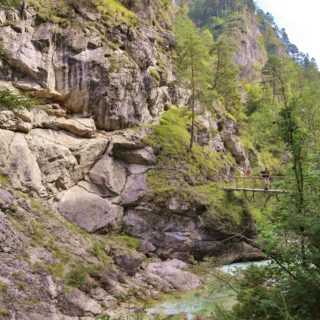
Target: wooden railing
column 253, row 184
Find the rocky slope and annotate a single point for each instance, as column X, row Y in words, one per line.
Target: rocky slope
column 81, row 154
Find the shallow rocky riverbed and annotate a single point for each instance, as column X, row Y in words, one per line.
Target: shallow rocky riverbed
column 204, row 300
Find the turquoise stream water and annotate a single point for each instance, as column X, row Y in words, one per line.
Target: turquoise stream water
column 204, row 300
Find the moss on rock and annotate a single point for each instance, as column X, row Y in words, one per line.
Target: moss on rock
column 193, row 177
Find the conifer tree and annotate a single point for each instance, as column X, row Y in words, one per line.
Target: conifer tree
column 193, row 59
column 225, row 76
column 275, row 72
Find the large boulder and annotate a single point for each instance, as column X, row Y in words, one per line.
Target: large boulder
column 230, row 138
column 19, row 162
column 169, row 275
column 89, row 211
column 130, row 261
column 75, row 303
column 134, row 189
column 108, row 175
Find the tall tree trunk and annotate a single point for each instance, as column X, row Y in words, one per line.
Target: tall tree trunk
column 193, row 109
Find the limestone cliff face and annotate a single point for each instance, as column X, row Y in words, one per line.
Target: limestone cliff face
column 253, row 37
column 250, row 55
column 119, row 74
column 77, row 154
column 255, row 42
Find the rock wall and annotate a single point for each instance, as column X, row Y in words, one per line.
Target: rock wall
column 98, row 180
column 119, row 75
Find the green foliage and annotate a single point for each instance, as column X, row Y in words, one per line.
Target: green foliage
column 260, row 133
column 224, row 209
column 4, row 3
column 55, row 11
column 103, row 317
column 154, row 74
column 21, row 285
column 60, row 254
column 77, row 275
column 127, row 241
column 171, row 138
column 192, row 50
column 114, row 10
column 186, row 175
column 225, row 78
column 56, row 269
column 3, row 287
column 290, row 289
column 4, row 312
column 3, row 53
column 12, row 101
column 35, row 204
column 59, row 11
column 193, row 60
column 209, row 66
column 37, row 232
column 256, row 292
column 99, row 251
column 4, row 180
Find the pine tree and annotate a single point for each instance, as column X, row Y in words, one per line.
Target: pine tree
column 225, row 80
column 193, row 57
column 275, row 72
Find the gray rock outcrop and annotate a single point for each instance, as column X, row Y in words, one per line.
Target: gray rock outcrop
column 89, row 211
column 87, row 75
column 169, row 275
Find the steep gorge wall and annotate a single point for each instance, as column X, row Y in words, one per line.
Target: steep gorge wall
column 78, row 155
column 251, row 36
column 121, row 75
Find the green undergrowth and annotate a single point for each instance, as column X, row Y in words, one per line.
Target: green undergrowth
column 127, row 241
column 171, row 138
column 4, row 3
column 222, row 204
column 54, row 11
column 154, row 74
column 12, row 101
column 60, row 11
column 3, row 179
column 113, row 10
column 194, row 176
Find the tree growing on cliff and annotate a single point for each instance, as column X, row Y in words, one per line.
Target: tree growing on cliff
column 193, row 62
column 225, row 75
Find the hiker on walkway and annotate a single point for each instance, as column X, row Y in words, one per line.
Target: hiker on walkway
column 266, row 178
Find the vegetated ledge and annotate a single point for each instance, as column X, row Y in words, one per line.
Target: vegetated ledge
column 184, row 213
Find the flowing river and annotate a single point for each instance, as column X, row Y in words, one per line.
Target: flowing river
column 216, row 292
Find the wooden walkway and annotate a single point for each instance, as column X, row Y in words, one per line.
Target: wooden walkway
column 254, row 190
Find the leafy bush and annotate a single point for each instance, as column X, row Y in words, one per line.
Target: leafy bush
column 12, row 101
column 77, row 276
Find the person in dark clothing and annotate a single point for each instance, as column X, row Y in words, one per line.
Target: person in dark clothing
column 266, row 178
